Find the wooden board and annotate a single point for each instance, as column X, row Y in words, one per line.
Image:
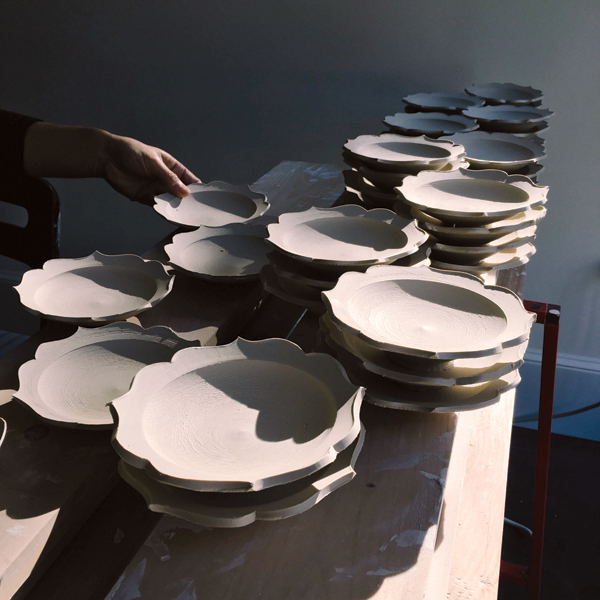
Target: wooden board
column 52, row 479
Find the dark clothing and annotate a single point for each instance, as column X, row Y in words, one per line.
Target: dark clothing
column 12, row 135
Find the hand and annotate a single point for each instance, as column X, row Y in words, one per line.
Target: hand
column 141, row 172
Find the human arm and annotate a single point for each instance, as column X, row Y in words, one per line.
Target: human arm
column 132, row 168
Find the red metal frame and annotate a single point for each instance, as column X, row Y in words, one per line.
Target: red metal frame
column 548, row 315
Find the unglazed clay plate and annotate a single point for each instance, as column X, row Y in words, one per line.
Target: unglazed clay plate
column 212, row 204
column 512, row 119
column 71, row 381
column 426, row 312
column 214, row 509
column 472, row 196
column 432, row 124
column 352, row 352
column 390, row 151
column 241, row 417
column 345, row 235
column 234, row 253
column 505, row 259
column 284, row 266
column 393, row 394
column 94, row 290
column 505, row 93
column 309, row 299
column 501, row 151
column 442, row 101
column 472, row 236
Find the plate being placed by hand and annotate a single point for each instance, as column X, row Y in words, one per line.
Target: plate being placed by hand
column 212, row 204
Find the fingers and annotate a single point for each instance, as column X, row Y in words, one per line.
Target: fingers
column 184, row 174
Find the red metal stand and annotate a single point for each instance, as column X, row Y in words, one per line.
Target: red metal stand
column 548, row 315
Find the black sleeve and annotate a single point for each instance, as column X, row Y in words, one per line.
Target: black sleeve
column 12, row 143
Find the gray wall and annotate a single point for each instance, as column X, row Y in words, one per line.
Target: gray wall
column 231, row 88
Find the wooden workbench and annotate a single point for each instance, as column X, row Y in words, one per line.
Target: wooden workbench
column 423, row 518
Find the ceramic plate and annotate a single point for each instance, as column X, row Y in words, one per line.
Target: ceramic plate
column 392, row 394
column 505, row 259
column 212, row 204
column 472, row 196
column 94, row 290
column 71, row 381
column 306, row 299
column 442, row 101
column 425, row 312
column 234, row 253
column 284, row 266
column 501, row 151
column 505, row 93
column 241, row 417
column 512, row 119
column 394, row 152
column 214, row 509
column 535, row 131
column 351, row 351
column 431, row 124
column 471, row 255
column 3, row 429
column 346, row 235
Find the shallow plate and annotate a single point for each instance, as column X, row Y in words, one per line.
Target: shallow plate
column 214, row 509
column 94, row 290
column 213, row 204
column 426, row 312
column 272, row 284
column 71, row 381
column 391, row 151
column 505, row 93
column 472, row 196
column 512, row 119
column 501, row 151
column 506, row 259
column 376, row 361
column 474, row 236
column 432, row 124
column 442, row 101
column 393, row 394
column 234, row 253
column 241, row 417
column 471, row 255
column 345, row 236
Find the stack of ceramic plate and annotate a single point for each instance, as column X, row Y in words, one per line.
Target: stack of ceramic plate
column 313, row 248
column 425, row 339
column 381, row 162
column 222, row 436
column 480, row 221
column 503, row 151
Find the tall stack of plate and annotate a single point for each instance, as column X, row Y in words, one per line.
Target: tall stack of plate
column 424, row 339
column 311, row 249
column 222, row 436
column 380, row 163
column 479, row 221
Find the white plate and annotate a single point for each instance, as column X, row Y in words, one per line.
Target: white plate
column 214, row 509
column 350, row 349
column 505, row 259
column 472, row 197
column 234, row 253
column 426, row 312
column 501, row 151
column 393, row 152
column 212, row 204
column 241, row 417
column 432, row 124
column 442, row 101
column 345, row 236
column 505, row 93
column 94, row 290
column 508, row 118
column 71, row 381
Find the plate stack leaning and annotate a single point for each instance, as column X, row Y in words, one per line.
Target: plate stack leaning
column 424, row 339
column 311, row 249
column 479, row 221
column 379, row 163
